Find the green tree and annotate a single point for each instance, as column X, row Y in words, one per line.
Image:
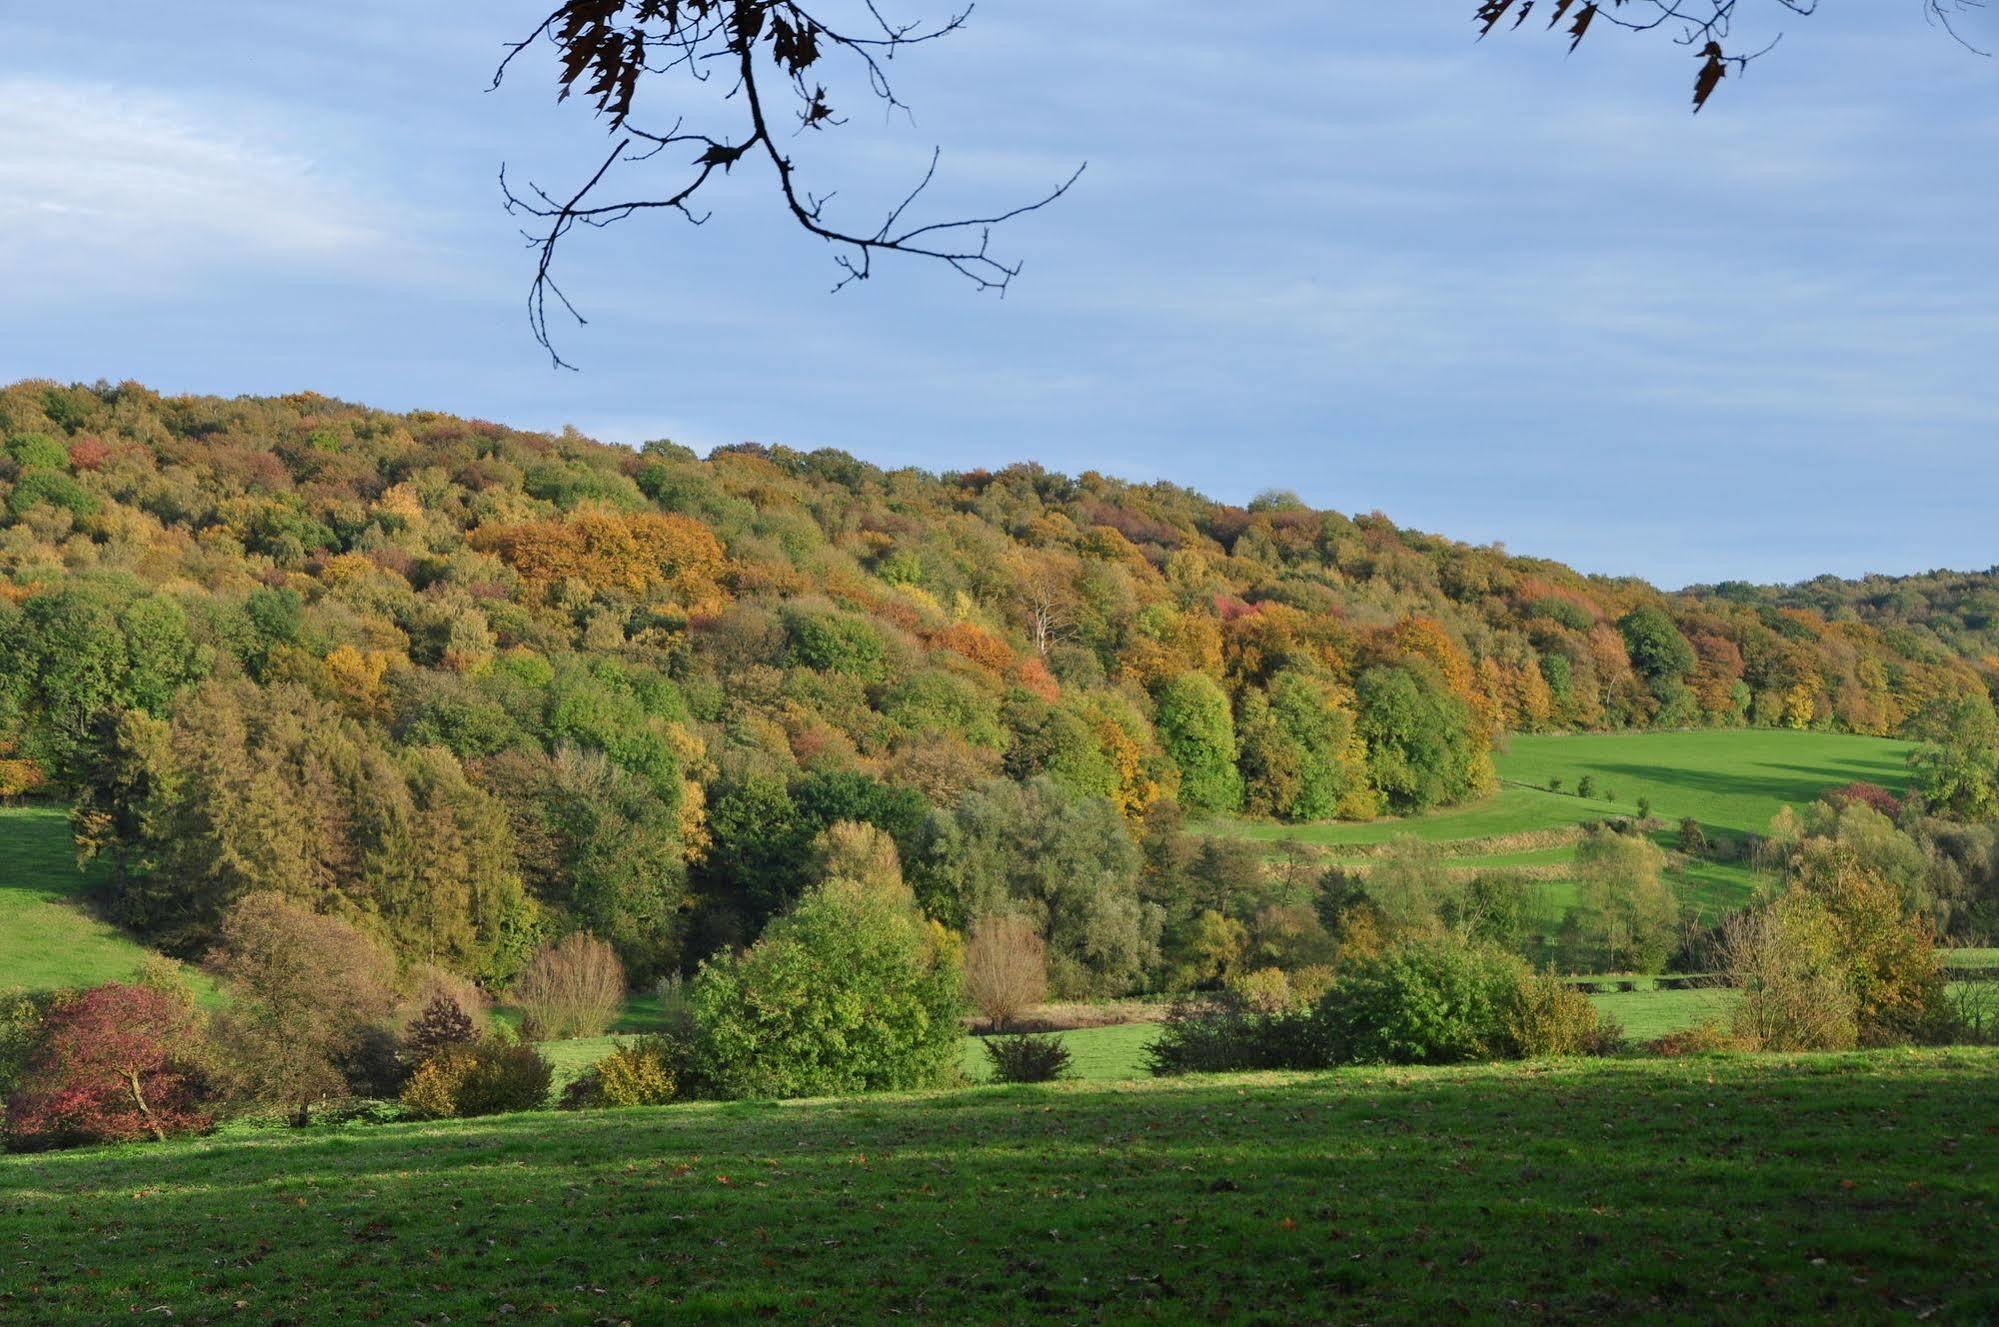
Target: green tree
column 1625, row 918
column 1957, row 766
column 1198, row 732
column 1422, row 746
column 851, row 991
column 76, row 657
column 623, row 876
column 1065, row 862
column 1662, row 657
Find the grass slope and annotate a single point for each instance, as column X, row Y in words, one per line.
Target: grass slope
column 47, row 939
column 1733, row 1189
column 1729, row 779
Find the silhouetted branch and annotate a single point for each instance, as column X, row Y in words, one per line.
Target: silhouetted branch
column 607, row 49
column 1705, row 26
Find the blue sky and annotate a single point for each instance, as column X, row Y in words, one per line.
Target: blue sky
column 1490, row 289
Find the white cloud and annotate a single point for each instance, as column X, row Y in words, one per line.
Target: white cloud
column 133, row 187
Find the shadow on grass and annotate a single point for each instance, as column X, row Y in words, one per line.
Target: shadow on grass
column 1729, row 1189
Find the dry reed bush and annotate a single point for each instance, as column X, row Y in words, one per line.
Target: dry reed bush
column 573, row 988
column 1006, row 969
column 1795, row 991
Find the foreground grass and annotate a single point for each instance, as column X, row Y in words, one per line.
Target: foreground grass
column 1736, row 1189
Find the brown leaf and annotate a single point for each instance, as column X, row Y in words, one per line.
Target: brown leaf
column 1581, row 25
column 1713, row 70
column 1489, row 14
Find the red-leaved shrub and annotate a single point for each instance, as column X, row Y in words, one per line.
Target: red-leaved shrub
column 106, row 1072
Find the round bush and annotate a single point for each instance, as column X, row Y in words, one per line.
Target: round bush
column 1548, row 1016
column 1024, row 1058
column 639, row 1073
column 488, row 1077
column 852, row 991
column 1427, row 1002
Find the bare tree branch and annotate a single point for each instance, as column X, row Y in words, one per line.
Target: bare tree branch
column 606, row 49
column 1706, row 27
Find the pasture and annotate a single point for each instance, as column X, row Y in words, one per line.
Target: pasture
column 48, row 937
column 1732, row 781
column 1746, row 1189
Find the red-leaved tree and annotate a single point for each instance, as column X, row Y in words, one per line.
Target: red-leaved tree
column 106, row 1072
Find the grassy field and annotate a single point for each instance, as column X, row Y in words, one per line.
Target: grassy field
column 1511, row 810
column 1732, row 781
column 47, row 938
column 1724, row 1189
column 1117, row 1054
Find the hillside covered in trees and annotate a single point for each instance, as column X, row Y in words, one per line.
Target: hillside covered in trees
column 474, row 687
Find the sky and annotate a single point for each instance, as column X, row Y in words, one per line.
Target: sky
column 1495, row 290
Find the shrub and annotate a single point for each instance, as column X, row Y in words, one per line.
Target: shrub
column 1547, row 1016
column 1586, row 786
column 431, row 1091
column 311, row 994
column 23, row 1018
column 852, row 991
column 1220, row 1035
column 491, row 1076
column 1708, row 1038
column 1888, row 945
column 1425, row 1002
column 442, row 1023
column 1006, row 969
column 1693, row 839
column 570, row 989
column 1310, row 983
column 1022, row 1058
column 639, row 1073
column 108, row 1066
column 1794, row 990
column 1264, row 991
column 427, row 981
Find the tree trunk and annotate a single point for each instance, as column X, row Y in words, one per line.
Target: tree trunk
column 139, row 1100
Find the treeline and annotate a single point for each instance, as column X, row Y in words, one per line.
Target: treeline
column 473, row 688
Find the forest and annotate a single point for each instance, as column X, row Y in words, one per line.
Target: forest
column 472, row 689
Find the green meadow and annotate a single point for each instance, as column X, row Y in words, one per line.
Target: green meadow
column 1732, row 781
column 48, row 935
column 1740, row 1189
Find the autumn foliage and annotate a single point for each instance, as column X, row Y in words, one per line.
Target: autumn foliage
column 108, row 1071
column 608, row 551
